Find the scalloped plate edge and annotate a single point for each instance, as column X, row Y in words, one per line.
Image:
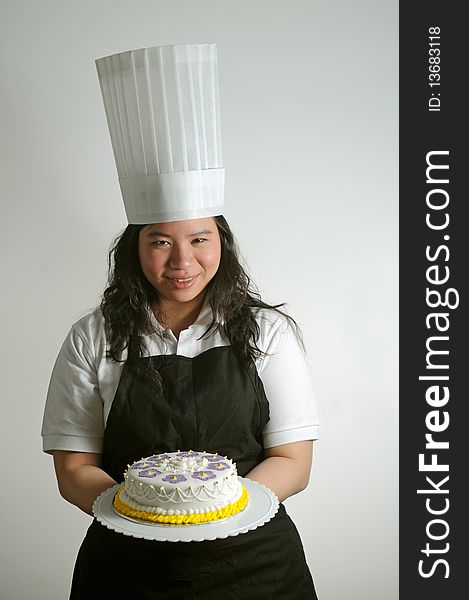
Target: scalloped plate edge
column 105, row 514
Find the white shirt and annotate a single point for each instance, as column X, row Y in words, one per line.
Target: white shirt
column 84, row 381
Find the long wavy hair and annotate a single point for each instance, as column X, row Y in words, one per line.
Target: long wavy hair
column 129, row 297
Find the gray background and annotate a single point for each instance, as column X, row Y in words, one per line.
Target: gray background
column 309, row 129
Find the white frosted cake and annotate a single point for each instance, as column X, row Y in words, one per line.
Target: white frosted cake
column 181, row 488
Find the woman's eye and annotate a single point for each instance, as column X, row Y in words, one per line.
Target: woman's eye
column 160, row 242
column 199, row 240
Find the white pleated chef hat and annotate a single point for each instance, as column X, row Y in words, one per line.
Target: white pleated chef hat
column 163, row 113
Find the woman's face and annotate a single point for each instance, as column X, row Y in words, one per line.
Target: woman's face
column 180, row 258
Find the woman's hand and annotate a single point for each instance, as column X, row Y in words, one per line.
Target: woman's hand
column 285, row 469
column 80, row 477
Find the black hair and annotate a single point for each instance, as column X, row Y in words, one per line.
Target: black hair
column 129, row 297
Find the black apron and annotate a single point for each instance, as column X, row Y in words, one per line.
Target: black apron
column 212, row 403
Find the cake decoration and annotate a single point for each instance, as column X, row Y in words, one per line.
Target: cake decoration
column 149, row 472
column 220, row 466
column 158, row 457
column 181, row 488
column 174, row 478
column 203, row 475
column 212, row 457
column 142, row 464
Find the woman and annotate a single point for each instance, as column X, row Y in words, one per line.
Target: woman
column 182, row 354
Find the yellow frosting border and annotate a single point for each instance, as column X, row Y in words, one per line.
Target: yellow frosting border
column 193, row 519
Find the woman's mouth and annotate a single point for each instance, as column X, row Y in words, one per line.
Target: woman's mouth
column 182, row 282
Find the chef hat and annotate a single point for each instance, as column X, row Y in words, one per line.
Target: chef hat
column 163, row 114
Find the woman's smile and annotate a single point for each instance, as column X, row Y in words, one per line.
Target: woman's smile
column 182, row 283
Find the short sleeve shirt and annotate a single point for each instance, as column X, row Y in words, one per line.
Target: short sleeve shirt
column 84, row 380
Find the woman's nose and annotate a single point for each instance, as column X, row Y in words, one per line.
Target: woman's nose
column 181, row 257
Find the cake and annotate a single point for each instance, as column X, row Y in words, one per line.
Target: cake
column 181, row 488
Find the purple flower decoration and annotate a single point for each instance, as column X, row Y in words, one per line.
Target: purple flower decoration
column 189, row 453
column 149, row 473
column 174, row 478
column 142, row 464
column 204, row 475
column 211, row 457
column 158, row 457
column 218, row 466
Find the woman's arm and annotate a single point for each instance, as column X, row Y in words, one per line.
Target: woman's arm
column 80, row 477
column 285, row 469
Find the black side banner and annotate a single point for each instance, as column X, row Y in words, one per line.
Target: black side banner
column 434, row 235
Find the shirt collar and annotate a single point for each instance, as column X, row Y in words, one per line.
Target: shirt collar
column 204, row 318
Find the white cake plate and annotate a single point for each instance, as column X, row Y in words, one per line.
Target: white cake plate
column 262, row 506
